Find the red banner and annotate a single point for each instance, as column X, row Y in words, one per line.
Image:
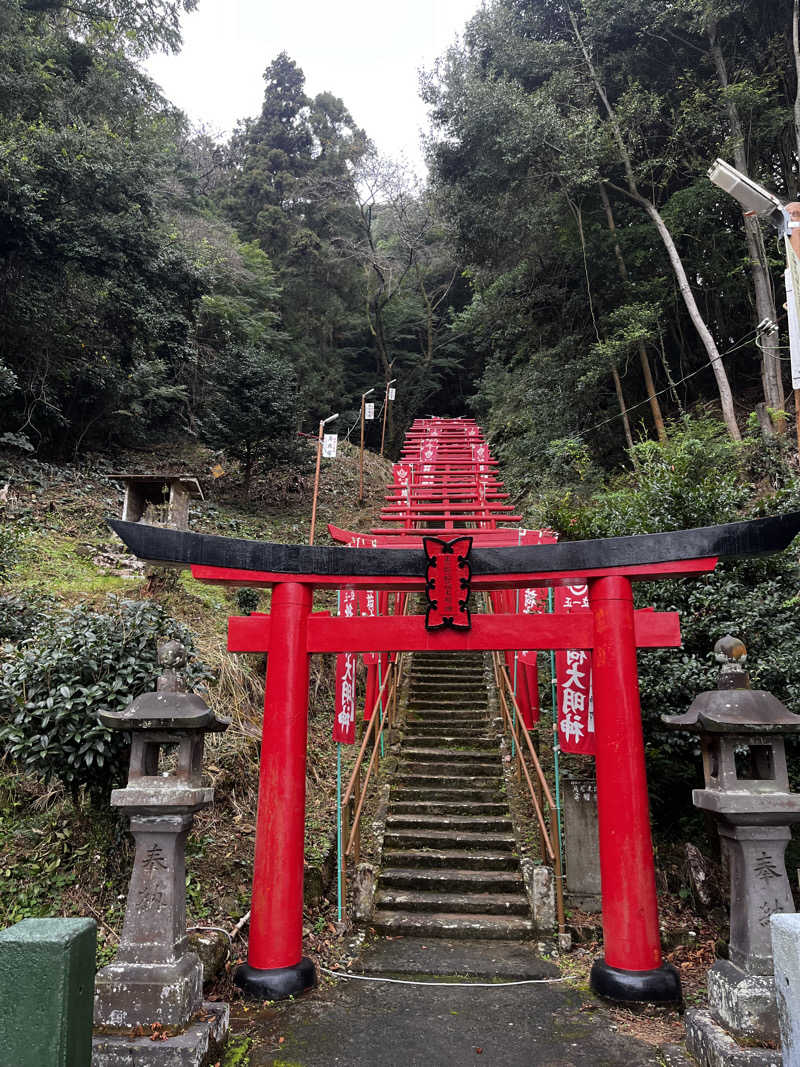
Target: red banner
column 403, row 474
column 368, row 606
column 344, row 723
column 574, row 681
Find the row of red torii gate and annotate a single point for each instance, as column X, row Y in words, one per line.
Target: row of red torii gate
column 449, row 533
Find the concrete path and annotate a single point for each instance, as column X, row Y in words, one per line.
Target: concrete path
column 380, row 1024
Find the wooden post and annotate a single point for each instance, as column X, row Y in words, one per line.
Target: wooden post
column 385, row 410
column 322, row 425
column 356, row 802
column 316, row 483
column 361, row 451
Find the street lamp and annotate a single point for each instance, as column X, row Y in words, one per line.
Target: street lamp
column 322, row 425
column 361, row 453
column 385, row 408
column 759, row 201
column 752, row 196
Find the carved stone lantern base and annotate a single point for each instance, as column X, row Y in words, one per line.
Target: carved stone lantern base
column 198, row 1045
column 136, row 994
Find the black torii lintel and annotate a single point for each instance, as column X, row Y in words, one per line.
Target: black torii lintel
column 181, row 548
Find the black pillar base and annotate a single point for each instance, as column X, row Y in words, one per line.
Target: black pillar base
column 277, row 983
column 659, row 986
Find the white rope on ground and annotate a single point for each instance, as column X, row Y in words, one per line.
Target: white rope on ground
column 449, row 985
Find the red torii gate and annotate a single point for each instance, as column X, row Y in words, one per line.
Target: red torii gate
column 632, row 967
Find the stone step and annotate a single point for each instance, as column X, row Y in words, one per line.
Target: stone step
column 427, row 753
column 445, row 717
column 436, row 702
column 465, row 676
column 451, row 879
column 459, row 859
column 426, row 658
column 455, row 725
column 471, row 770
column 444, row 683
column 432, row 739
column 448, row 807
column 452, row 792
column 472, row 680
column 415, row 900
column 418, row 837
column 444, row 781
column 444, row 924
column 449, row 822
column 462, row 733
column 480, row 743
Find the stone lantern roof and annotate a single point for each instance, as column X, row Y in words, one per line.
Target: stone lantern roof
column 733, row 707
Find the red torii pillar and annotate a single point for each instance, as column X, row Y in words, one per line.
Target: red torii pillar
column 632, row 968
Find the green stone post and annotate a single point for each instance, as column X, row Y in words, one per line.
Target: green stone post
column 46, row 992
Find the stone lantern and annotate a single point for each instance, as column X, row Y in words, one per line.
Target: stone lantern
column 155, row 978
column 747, row 791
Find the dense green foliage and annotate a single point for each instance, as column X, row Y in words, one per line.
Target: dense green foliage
column 559, row 129
column 150, row 279
column 700, row 478
column 75, row 664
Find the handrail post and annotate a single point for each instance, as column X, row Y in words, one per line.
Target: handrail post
column 356, row 805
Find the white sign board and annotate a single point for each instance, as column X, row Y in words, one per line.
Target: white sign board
column 392, row 392
column 792, row 277
column 329, row 442
column 369, row 411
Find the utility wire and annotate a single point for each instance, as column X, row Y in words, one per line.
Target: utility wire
column 358, row 420
column 746, row 340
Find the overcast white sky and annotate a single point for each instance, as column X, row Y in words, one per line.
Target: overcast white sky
column 368, row 52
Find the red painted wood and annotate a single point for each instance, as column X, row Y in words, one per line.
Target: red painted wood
column 630, row 910
column 276, row 915
column 642, row 572
column 253, row 633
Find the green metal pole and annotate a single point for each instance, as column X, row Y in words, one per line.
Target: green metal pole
column 339, row 830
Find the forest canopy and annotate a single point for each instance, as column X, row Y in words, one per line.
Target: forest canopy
column 566, row 271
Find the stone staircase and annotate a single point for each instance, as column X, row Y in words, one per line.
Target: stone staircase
column 450, row 867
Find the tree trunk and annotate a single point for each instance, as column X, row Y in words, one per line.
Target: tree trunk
column 655, row 407
column 723, row 385
column 759, row 271
column 714, row 358
column 626, row 422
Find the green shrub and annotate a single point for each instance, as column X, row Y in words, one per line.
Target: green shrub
column 77, row 663
column 698, row 479
column 9, row 542
column 247, row 600
column 19, row 616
